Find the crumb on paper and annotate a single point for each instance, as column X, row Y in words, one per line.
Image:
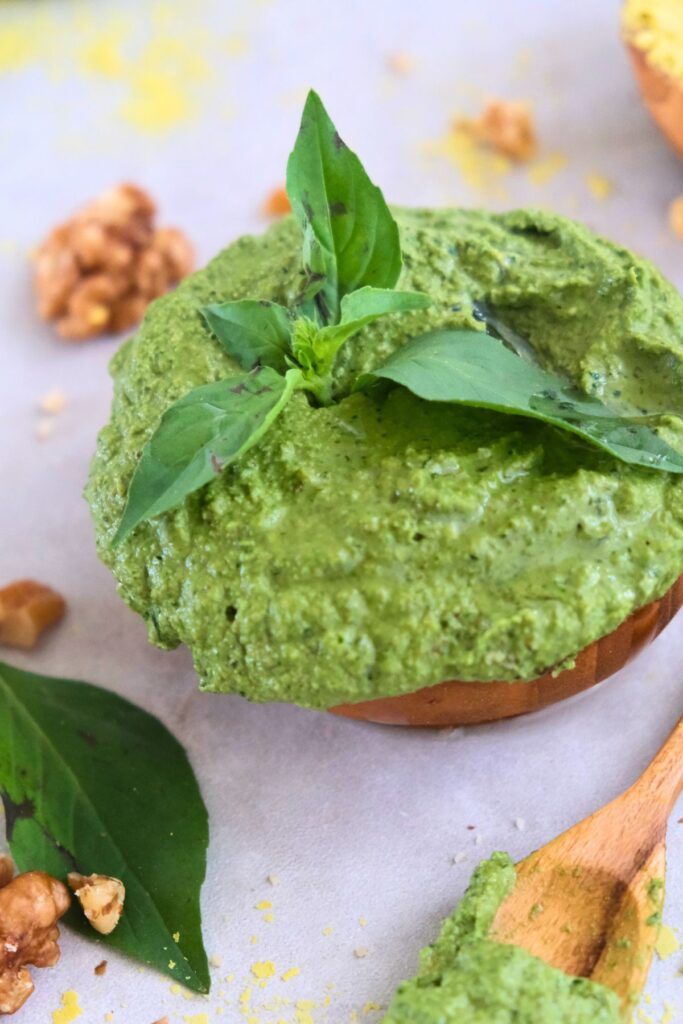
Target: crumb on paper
column 263, row 905
column 546, row 168
column 328, row 930
column 520, row 824
column 666, row 943
column 44, row 428
column 277, row 203
column 506, row 126
column 272, row 879
column 263, row 969
column 215, row 960
column 291, row 972
column 478, row 840
column 401, row 63
column 97, row 272
column 101, row 968
column 53, row 402
column 360, row 952
column 27, row 608
column 362, row 921
column 69, row 1011
column 599, row 186
column 676, row 219
column 459, row 857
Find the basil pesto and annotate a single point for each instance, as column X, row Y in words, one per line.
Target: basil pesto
column 467, row 976
column 384, row 542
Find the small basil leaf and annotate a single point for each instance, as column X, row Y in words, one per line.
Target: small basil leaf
column 201, row 434
column 472, row 368
column 254, row 333
column 350, row 237
column 360, row 308
column 94, row 784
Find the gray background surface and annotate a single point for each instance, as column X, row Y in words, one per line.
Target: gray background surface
column 356, row 821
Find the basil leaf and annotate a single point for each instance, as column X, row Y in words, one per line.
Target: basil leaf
column 350, row 237
column 360, row 308
column 252, row 332
column 472, row 368
column 94, row 784
column 201, row 434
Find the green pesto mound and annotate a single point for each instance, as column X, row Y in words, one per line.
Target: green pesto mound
column 467, row 977
column 384, row 543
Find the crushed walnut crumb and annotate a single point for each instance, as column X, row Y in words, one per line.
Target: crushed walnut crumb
column 277, row 203
column 507, row 126
column 26, row 609
column 97, row 272
column 101, row 968
column 101, row 898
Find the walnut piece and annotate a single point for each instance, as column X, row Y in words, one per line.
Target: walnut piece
column 101, row 968
column 99, row 271
column 6, row 870
column 30, row 906
column 101, row 898
column 26, row 609
column 506, row 126
column 277, row 203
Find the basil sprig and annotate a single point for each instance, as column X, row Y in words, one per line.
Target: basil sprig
column 472, row 368
column 351, row 261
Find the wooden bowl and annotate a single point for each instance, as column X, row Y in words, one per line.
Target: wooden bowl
column 455, row 703
column 663, row 96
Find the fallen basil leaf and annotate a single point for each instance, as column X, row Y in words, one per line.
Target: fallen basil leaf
column 94, row 784
column 472, row 368
column 199, row 435
column 252, row 332
column 350, row 237
column 358, row 309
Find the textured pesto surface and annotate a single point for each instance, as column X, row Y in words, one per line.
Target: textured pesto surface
column 467, row 977
column 384, row 543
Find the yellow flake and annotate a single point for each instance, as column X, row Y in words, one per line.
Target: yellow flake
column 269, row 918
column 253, row 940
column 546, row 168
column 171, row 965
column 264, row 905
column 302, row 1011
column 328, row 930
column 291, row 972
column 362, row 922
column 263, row 969
column 371, row 1007
column 666, row 944
column 109, row 1017
column 196, row 1018
column 479, row 167
column 69, row 1010
column 600, row 187
column 176, row 936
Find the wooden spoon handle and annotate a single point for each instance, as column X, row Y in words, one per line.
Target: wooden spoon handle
column 662, row 781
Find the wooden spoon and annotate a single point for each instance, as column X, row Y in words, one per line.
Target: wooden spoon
column 589, row 902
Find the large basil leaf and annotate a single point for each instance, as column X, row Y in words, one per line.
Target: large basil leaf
column 350, row 237
column 94, row 784
column 201, row 434
column 472, row 368
column 254, row 333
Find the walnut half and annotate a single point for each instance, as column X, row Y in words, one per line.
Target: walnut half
column 98, row 271
column 101, row 898
column 30, row 906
